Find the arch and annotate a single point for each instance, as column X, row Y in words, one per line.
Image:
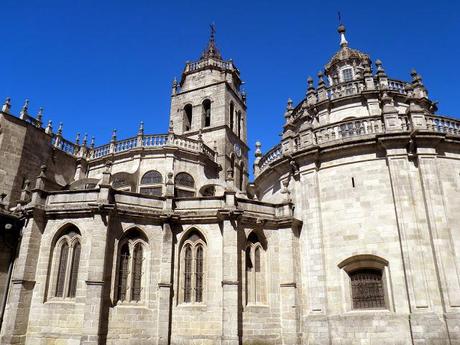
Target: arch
column 187, row 117
column 208, row 190
column 151, row 183
column 232, row 115
column 206, row 105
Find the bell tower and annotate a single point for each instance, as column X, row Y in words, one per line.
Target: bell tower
column 208, row 99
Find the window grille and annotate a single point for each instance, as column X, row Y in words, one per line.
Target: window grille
column 137, row 273
column 367, row 289
column 123, row 273
column 347, row 74
column 62, row 270
column 155, row 191
column 184, row 179
column 152, row 177
column 74, row 270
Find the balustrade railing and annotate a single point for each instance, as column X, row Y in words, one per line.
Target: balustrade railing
column 193, row 66
column 272, row 155
column 443, row 125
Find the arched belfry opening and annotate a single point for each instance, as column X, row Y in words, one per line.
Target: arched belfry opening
column 206, row 113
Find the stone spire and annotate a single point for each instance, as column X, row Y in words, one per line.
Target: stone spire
column 343, row 41
column 211, row 50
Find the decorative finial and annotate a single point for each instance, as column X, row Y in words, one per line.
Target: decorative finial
column 380, row 70
column 85, row 140
column 114, row 136
column 289, row 104
column 174, row 86
column 341, row 30
column 320, row 79
column 7, row 105
column 49, row 127
column 200, row 135
column 171, row 127
column 77, row 139
column 25, row 109
column 61, row 125
column 93, row 140
column 211, row 50
column 141, row 128
column 40, row 117
column 258, row 152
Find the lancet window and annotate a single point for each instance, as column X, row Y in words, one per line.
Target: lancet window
column 192, row 268
column 255, row 271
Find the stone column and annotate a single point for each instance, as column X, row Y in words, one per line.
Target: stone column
column 165, row 286
column 230, row 283
column 14, row 328
column 288, row 287
column 92, row 333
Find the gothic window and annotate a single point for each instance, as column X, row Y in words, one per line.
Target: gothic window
column 65, row 262
column 131, row 261
column 184, row 185
column 367, row 289
column 366, row 281
column 232, row 115
column 347, row 74
column 188, row 109
column 151, row 183
column 255, row 277
column 207, row 112
column 192, row 269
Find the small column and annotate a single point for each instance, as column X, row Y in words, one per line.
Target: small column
column 140, row 135
column 165, row 286
column 24, row 111
column 113, row 141
column 6, row 106
column 311, row 92
column 258, row 155
column 322, row 92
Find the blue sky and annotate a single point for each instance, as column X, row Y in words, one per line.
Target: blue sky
column 99, row 65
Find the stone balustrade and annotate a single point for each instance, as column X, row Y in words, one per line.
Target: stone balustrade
column 354, row 129
column 194, row 66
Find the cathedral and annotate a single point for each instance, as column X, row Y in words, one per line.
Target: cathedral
column 348, row 233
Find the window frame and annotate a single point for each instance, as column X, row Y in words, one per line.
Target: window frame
column 132, row 243
column 158, row 185
column 184, row 188
column 365, row 262
column 342, row 74
column 255, row 282
column 56, row 252
column 187, row 118
column 193, row 245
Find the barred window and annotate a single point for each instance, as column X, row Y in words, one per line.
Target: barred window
column 65, row 263
column 255, row 277
column 367, row 282
column 347, row 74
column 152, row 183
column 192, row 278
column 131, row 267
column 367, row 289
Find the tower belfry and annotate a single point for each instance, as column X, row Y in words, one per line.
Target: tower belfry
column 208, row 100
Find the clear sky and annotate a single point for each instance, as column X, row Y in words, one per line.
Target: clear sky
column 99, row 65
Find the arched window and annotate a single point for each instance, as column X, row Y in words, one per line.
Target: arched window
column 192, row 268
column 232, row 115
column 209, row 190
column 65, row 262
column 188, row 110
column 131, row 261
column 239, row 122
column 151, row 183
column 366, row 281
column 184, row 185
column 121, row 183
column 206, row 113
column 255, row 277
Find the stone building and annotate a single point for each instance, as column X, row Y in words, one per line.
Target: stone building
column 347, row 235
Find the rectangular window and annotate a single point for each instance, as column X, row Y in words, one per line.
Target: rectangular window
column 347, row 74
